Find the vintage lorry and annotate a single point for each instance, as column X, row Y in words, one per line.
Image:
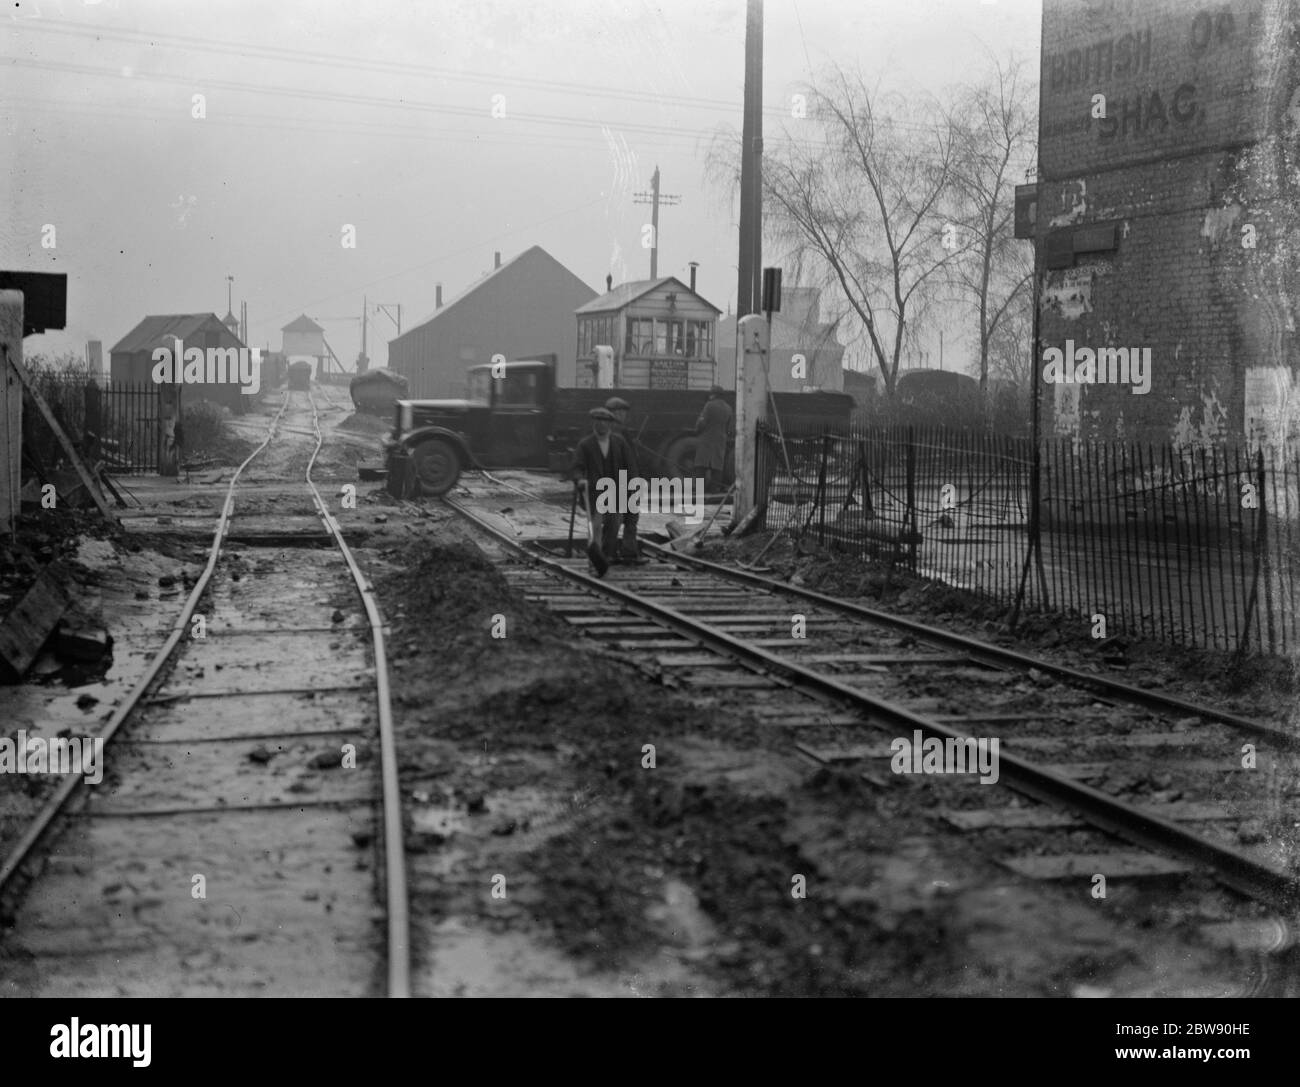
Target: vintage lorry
column 514, row 416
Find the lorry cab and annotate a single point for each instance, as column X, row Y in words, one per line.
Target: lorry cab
column 503, row 421
column 519, row 397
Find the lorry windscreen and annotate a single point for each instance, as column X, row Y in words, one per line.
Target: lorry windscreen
column 479, row 385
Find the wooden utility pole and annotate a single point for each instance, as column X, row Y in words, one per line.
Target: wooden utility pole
column 655, row 198
column 750, row 284
column 751, row 330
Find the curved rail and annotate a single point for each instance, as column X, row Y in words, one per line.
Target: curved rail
column 399, row 940
column 51, row 808
column 988, row 653
column 1102, row 810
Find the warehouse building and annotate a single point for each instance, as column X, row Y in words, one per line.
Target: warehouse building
column 131, row 359
column 522, row 309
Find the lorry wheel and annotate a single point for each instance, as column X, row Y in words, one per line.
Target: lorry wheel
column 679, row 458
column 437, row 466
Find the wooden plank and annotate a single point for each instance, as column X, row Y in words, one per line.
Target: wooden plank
column 1012, row 819
column 892, row 658
column 1020, row 718
column 740, row 679
column 1081, row 770
column 659, row 646
column 854, row 753
column 86, row 478
column 27, row 627
column 1193, row 811
column 1117, row 865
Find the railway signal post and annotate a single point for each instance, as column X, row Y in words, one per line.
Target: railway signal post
column 751, row 398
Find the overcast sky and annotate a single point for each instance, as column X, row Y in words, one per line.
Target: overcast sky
column 379, row 114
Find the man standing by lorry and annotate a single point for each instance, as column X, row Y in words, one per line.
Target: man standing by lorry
column 713, row 426
column 619, row 408
column 600, row 455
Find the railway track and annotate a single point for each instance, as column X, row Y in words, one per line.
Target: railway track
column 246, row 836
column 1121, row 782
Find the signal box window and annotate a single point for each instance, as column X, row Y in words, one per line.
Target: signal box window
column 640, row 336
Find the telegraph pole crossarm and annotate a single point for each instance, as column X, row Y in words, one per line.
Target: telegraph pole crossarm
column 654, row 197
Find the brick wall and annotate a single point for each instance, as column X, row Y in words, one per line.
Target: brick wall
column 1192, row 150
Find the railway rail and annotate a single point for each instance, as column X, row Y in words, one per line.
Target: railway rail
column 235, row 838
column 1102, row 759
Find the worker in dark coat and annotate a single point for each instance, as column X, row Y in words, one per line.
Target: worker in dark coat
column 600, row 456
column 713, row 426
column 619, row 408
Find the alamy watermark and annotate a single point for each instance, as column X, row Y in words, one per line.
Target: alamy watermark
column 56, row 755
column 211, row 366
column 1103, row 366
column 113, row 1040
column 955, row 755
column 672, row 495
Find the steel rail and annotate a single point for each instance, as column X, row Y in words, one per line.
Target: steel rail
column 399, row 938
column 50, row 809
column 986, row 653
column 1102, row 810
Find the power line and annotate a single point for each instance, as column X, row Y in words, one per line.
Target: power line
column 324, row 125
column 349, row 99
column 360, row 64
column 337, row 60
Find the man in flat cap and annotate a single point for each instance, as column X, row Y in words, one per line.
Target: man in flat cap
column 712, row 427
column 600, row 456
column 619, row 408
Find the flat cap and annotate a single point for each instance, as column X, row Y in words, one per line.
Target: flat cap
column 602, row 413
column 617, row 403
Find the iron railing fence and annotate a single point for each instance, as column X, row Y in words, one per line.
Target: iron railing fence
column 108, row 421
column 1197, row 548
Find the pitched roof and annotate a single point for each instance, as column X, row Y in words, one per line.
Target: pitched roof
column 487, row 278
column 626, row 293
column 302, row 324
column 153, row 330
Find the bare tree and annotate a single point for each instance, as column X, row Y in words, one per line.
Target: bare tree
column 852, row 198
column 1009, row 348
column 993, row 270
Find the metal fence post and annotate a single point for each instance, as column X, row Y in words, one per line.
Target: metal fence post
column 821, row 491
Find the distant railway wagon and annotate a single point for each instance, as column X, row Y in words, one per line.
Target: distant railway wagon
column 517, row 418
column 376, row 391
column 300, row 374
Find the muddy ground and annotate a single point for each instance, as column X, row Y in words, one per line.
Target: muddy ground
column 523, row 759
column 547, row 856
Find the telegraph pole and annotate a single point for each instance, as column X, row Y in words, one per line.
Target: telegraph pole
column 752, row 332
column 384, row 307
column 750, row 283
column 655, row 198
column 363, row 361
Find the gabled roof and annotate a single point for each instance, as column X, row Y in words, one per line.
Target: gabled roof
column 302, row 324
column 626, row 293
column 489, row 279
column 152, row 331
